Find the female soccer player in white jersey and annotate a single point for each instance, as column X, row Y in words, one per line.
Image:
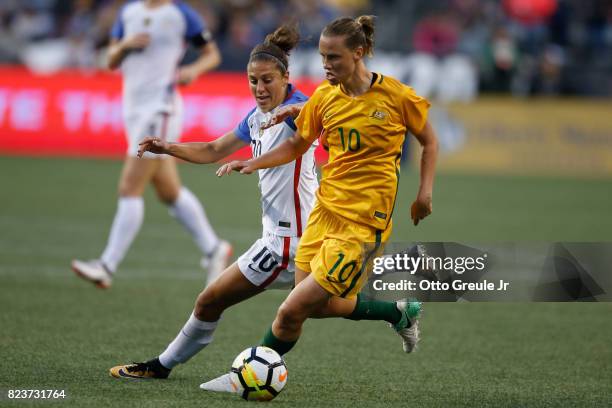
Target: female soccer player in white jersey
column 287, row 196
column 148, row 42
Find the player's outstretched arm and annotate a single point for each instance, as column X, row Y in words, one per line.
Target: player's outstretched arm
column 196, row 152
column 283, row 113
column 286, row 152
column 422, row 206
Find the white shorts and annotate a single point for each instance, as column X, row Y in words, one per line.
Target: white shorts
column 269, row 262
column 143, row 123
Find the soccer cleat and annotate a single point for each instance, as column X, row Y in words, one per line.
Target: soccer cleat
column 408, row 326
column 93, row 271
column 219, row 384
column 217, row 261
column 147, row 370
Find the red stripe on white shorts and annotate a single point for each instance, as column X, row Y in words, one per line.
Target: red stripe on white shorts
column 283, row 265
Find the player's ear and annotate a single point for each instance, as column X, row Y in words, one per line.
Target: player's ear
column 358, row 53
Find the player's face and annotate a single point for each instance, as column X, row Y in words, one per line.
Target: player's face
column 339, row 61
column 268, row 84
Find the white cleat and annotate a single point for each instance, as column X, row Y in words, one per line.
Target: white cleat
column 216, row 263
column 219, row 384
column 93, row 271
column 411, row 311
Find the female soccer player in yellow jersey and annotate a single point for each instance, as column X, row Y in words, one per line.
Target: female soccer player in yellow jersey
column 362, row 116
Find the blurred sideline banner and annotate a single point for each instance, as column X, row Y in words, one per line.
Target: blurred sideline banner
column 76, row 114
column 528, row 136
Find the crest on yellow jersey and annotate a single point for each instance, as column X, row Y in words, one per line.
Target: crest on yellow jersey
column 379, row 114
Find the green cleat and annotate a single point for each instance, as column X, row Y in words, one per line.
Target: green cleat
column 408, row 326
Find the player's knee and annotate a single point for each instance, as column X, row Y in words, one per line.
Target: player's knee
column 289, row 317
column 127, row 188
column 209, row 305
column 167, row 198
column 322, row 312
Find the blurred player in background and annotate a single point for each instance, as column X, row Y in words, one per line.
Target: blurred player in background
column 364, row 117
column 148, row 42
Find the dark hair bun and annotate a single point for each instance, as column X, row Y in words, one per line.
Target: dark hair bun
column 285, row 37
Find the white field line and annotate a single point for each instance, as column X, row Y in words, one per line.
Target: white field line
column 30, row 273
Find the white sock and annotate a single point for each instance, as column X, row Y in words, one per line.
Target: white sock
column 188, row 210
column 127, row 222
column 192, row 338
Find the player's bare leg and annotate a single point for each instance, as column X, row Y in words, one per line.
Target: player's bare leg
column 307, row 297
column 335, row 307
column 402, row 315
column 188, row 210
column 135, row 176
column 167, row 181
column 231, row 288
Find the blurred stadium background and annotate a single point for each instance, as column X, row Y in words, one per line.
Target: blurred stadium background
column 519, row 86
column 521, row 93
column 523, row 47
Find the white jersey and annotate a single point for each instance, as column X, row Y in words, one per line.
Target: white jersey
column 287, row 191
column 149, row 76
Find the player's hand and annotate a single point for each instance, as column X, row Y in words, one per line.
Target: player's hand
column 137, row 42
column 244, row 167
column 283, row 113
column 421, row 208
column 187, row 75
column 153, row 145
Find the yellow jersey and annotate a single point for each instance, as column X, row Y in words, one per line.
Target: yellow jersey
column 365, row 135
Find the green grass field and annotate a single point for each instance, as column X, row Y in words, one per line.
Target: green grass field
column 60, row 332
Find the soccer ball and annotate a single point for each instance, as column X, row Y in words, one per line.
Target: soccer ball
column 258, row 374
